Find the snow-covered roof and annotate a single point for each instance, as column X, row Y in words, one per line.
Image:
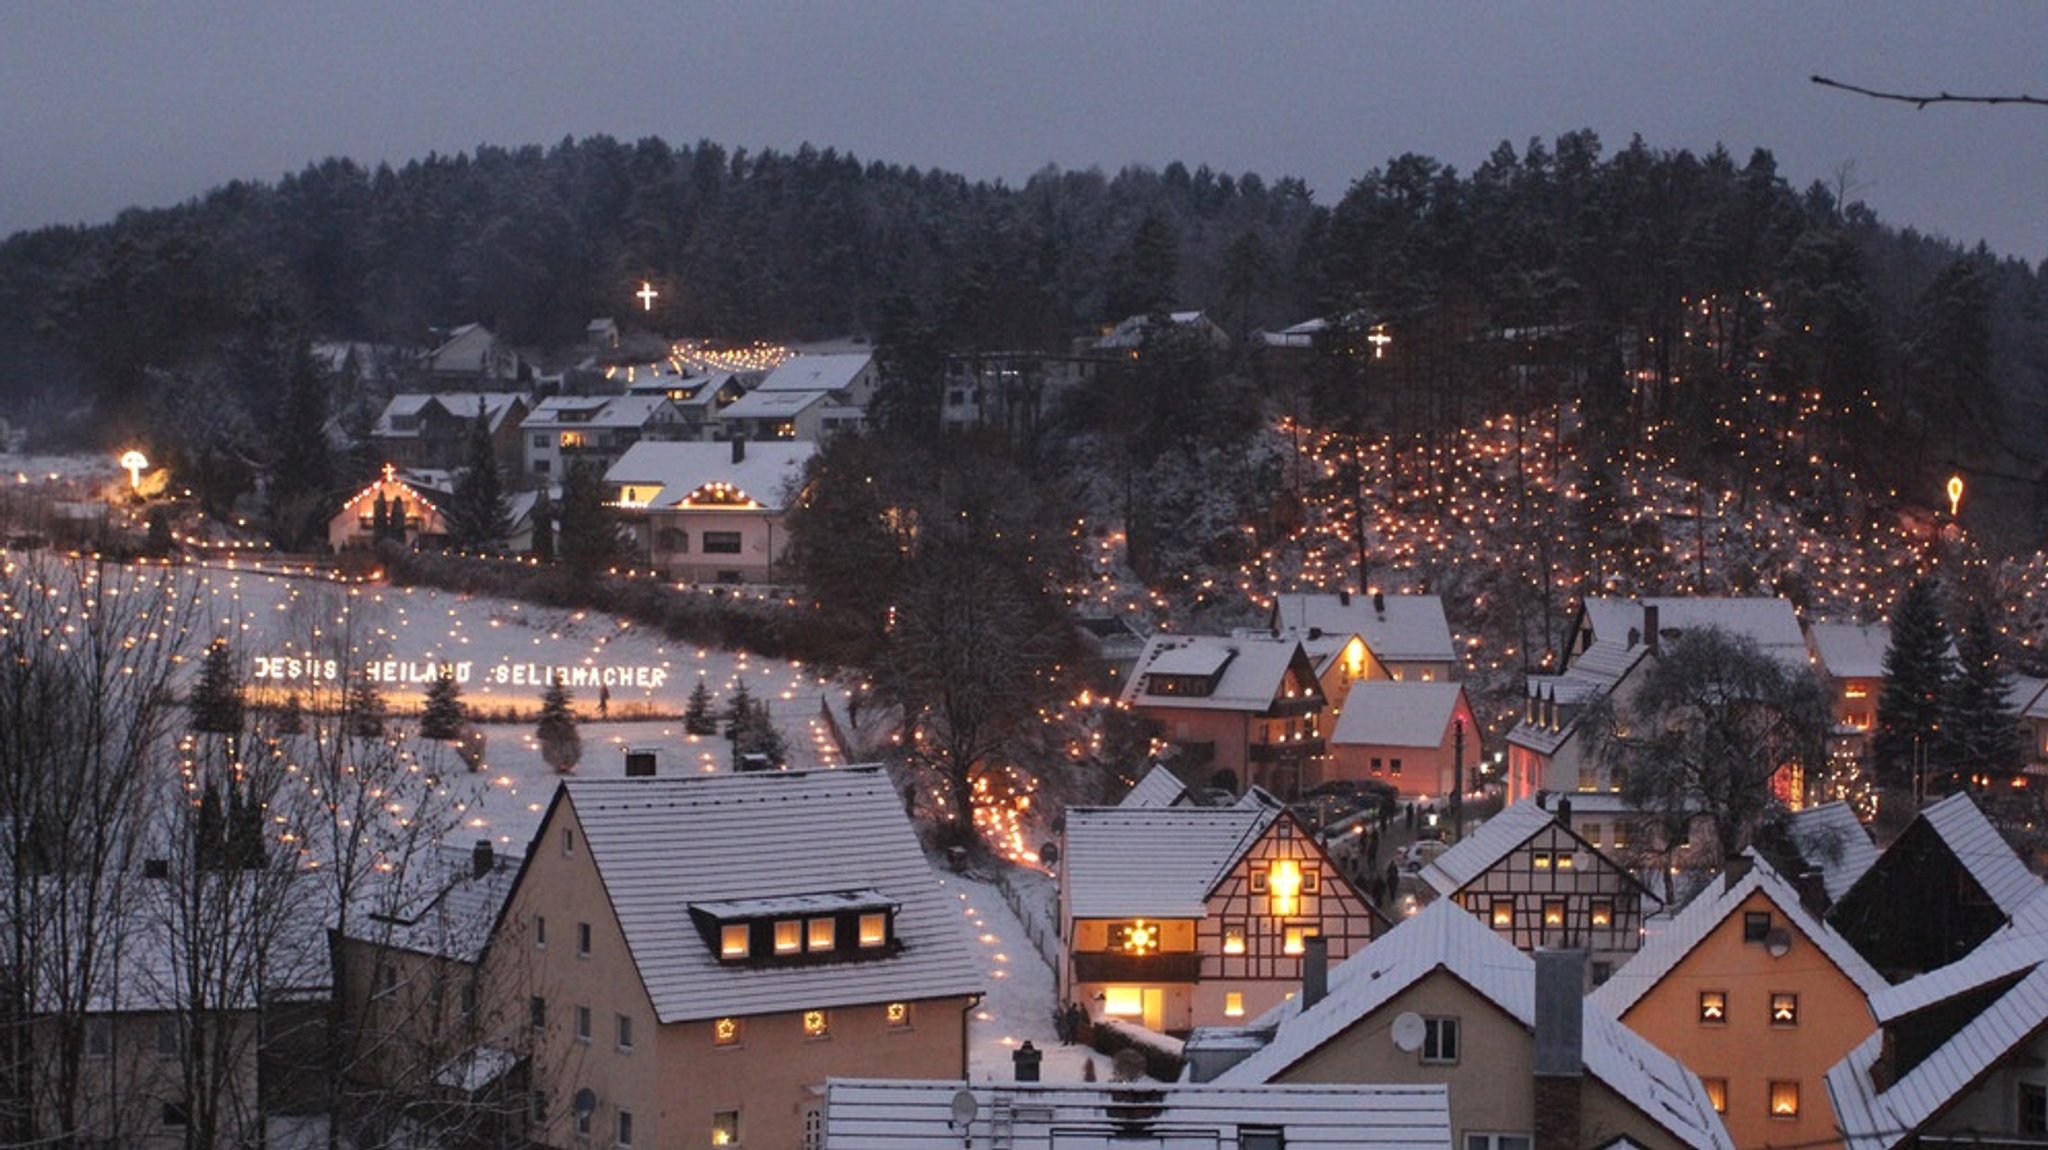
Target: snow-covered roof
column 1768, row 620
column 1485, row 847
column 901, row 1114
column 1982, row 851
column 1851, row 650
column 1253, row 670
column 1446, row 937
column 1708, row 910
column 1389, row 713
column 581, row 411
column 440, row 905
column 2028, row 697
column 460, row 404
column 768, row 470
column 817, row 372
column 1130, row 332
column 761, row 404
column 1831, row 837
column 1396, row 628
column 1126, row 862
column 1594, row 673
column 1159, row 788
column 661, row 845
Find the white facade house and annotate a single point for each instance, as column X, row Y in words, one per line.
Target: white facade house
column 710, row 512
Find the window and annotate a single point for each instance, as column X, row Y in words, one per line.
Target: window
column 1295, row 939
column 1713, row 1006
column 1376, row 768
column 1602, row 971
column 99, row 1037
column 1394, row 767
column 788, row 936
column 1566, row 860
column 1717, row 1093
column 625, row 1032
column 1503, row 913
column 537, row 1108
column 725, row 1128
column 387, row 981
column 2033, row 1116
column 725, row 1032
column 821, row 934
column 541, row 467
column 170, row 1041
column 1602, row 914
column 1311, row 880
column 1258, row 882
column 1542, row 860
column 1134, row 938
column 582, row 1023
column 721, row 543
column 1622, row 831
column 1233, row 1004
column 583, row 1126
column 1283, row 884
column 625, row 1127
column 466, row 999
column 1233, row 938
column 540, row 440
column 568, row 841
column 1784, row 1009
column 732, row 940
column 1497, row 1142
column 874, row 930
column 1784, row 1100
column 1553, row 912
column 1440, row 1040
column 1123, row 1001
column 1261, row 1138
column 540, row 932
column 1756, row 925
column 896, row 1016
column 537, row 1012
column 1592, row 833
column 582, row 940
column 817, row 1024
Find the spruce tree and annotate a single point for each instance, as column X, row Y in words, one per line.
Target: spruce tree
column 363, row 708
column 742, row 707
column 697, row 718
column 543, row 546
column 292, row 719
column 478, row 518
column 444, row 714
column 216, row 700
column 1980, row 736
column 757, row 735
column 588, row 536
column 209, row 836
column 560, row 743
column 1916, row 674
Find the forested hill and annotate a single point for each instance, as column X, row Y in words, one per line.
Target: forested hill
column 1619, row 258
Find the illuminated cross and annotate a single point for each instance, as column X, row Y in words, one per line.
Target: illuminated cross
column 646, row 295
column 135, row 464
column 1379, row 339
column 390, row 473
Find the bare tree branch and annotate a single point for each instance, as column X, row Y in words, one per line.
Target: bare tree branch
column 1921, row 101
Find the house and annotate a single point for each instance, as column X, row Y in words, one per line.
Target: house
column 1183, row 916
column 409, row 509
column 694, row 956
column 1753, row 992
column 1405, row 637
column 851, row 378
column 2029, row 700
column 700, row 398
column 417, row 430
column 802, row 415
column 1408, row 734
column 1833, row 843
column 1960, row 1054
column 1441, row 999
column 1248, row 705
column 1158, row 787
column 594, row 431
column 872, row 1114
column 1127, row 338
column 473, row 354
column 1008, row 390
column 1850, row 658
column 1943, row 886
column 710, row 512
column 1605, row 648
column 1537, row 883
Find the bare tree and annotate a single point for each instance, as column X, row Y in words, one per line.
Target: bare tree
column 1922, row 100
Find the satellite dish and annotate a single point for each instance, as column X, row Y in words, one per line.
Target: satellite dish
column 1778, row 942
column 964, row 1107
column 1408, row 1031
column 585, row 1102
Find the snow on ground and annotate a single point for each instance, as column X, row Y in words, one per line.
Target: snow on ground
column 1020, row 1000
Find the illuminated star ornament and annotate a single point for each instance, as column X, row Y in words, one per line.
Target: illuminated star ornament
column 646, row 295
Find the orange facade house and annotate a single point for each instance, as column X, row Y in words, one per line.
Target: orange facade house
column 1249, row 705
column 1756, row 995
column 1177, row 917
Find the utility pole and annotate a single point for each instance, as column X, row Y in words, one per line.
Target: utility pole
column 1458, row 780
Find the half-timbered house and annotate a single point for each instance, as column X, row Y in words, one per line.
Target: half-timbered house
column 1175, row 917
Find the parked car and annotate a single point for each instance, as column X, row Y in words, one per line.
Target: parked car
column 1421, row 852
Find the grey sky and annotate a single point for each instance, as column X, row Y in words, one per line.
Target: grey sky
column 111, row 105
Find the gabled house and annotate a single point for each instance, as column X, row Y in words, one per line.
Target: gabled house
column 1127, row 338
column 1537, row 883
column 431, row 431
column 1759, row 997
column 696, row 955
column 1441, row 999
column 408, row 510
column 1183, row 916
column 709, row 512
column 783, row 415
column 1246, row 704
column 1943, row 886
column 1850, row 659
column 1405, row 637
column 1008, row 390
column 473, row 354
column 699, row 399
column 1405, row 734
column 1158, row 787
column 591, row 431
column 1960, row 1056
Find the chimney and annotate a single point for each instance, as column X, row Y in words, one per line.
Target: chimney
column 1344, row 598
column 1650, row 627
column 482, row 859
column 1560, row 1047
column 1813, row 892
column 1315, row 971
column 1379, row 603
column 739, row 449
column 1564, row 811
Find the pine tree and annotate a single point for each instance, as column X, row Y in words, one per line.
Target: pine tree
column 444, row 714
column 478, row 518
column 543, row 546
column 588, row 536
column 560, row 744
column 292, row 719
column 364, row 708
column 1980, row 736
column 1916, row 675
column 697, row 718
column 742, row 706
column 756, row 737
column 217, row 698
column 209, row 835
column 244, row 842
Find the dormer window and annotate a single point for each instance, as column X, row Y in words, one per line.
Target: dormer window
column 874, row 931
column 732, row 941
column 788, row 937
column 820, row 933
column 800, row 927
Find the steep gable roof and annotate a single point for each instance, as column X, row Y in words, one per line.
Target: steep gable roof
column 1851, row 650
column 1159, row 788
column 1496, row 839
column 1125, row 862
column 1767, row 620
column 768, row 472
column 1392, row 713
column 1252, row 671
column 1831, row 837
column 831, row 372
column 1396, row 628
column 662, row 845
column 1982, row 851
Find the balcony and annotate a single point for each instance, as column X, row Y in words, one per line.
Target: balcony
column 1138, row 967
column 1289, row 752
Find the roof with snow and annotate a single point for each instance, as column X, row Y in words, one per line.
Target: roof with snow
column 663, row 845
column 1768, row 620
column 1832, row 838
column 580, row 411
column 460, row 404
column 676, row 470
column 1982, row 851
column 1851, row 650
column 2028, row 697
column 1592, row 674
column 1130, row 332
column 1391, row 713
column 899, row 1114
column 832, row 372
column 1446, row 937
column 1250, row 671
column 1486, row 846
column 1709, row 909
column 439, row 904
column 1397, row 628
column 1159, row 788
column 1158, row 862
column 762, row 404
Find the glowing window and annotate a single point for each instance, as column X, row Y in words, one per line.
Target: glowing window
column 725, row 1128
column 1542, row 860
column 1233, row 939
column 1233, row 1004
column 1295, row 939
column 1717, row 1093
column 725, row 1032
column 1784, row 1009
column 1784, row 1100
column 1621, row 834
column 1283, row 881
column 896, row 1016
column 1123, row 1001
column 1713, row 1006
column 817, row 1024
column 732, row 941
column 1566, row 862
column 788, row 936
column 1592, row 833
column 1137, row 937
column 820, row 933
column 1503, row 913
column 874, row 929
column 1602, row 914
column 1553, row 912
